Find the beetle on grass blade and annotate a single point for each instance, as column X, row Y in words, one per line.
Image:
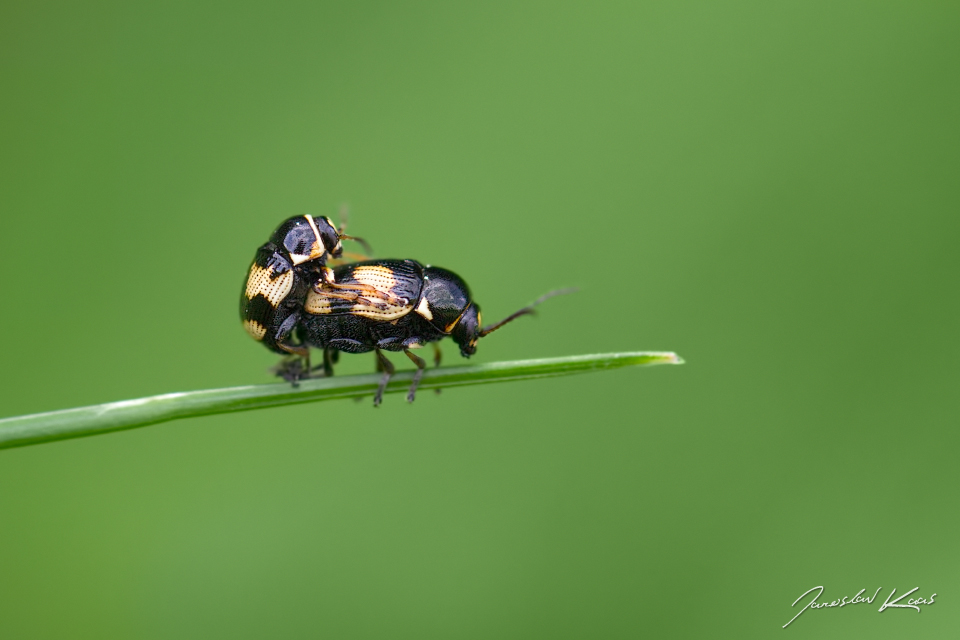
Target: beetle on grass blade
column 391, row 305
column 283, row 271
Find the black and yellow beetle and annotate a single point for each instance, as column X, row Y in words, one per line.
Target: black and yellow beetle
column 391, row 305
column 283, row 271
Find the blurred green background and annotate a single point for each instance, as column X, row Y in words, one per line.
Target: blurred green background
column 770, row 189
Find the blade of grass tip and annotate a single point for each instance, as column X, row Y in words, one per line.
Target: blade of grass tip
column 129, row 414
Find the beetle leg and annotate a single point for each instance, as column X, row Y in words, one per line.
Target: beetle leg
column 353, row 296
column 282, row 336
column 283, row 340
column 358, row 289
column 437, row 356
column 291, row 370
column 421, row 367
column 388, row 370
column 350, row 296
column 328, row 361
column 327, row 364
column 296, row 349
column 377, row 367
column 302, row 370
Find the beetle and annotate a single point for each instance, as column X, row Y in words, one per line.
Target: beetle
column 282, row 273
column 391, row 305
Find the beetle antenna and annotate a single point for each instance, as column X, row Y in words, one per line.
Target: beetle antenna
column 363, row 243
column 529, row 309
column 353, row 256
column 344, row 219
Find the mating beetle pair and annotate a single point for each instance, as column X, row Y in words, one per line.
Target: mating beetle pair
column 374, row 305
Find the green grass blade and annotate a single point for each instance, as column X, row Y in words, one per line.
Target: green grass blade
column 130, row 414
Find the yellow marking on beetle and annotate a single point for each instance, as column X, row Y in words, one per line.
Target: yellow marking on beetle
column 380, row 278
column 255, row 329
column 261, row 281
column 317, row 303
column 316, row 251
column 383, row 311
column 450, row 326
column 313, row 225
column 424, row 309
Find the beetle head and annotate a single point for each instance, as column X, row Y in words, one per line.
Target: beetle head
column 467, row 331
column 306, row 238
column 329, row 236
